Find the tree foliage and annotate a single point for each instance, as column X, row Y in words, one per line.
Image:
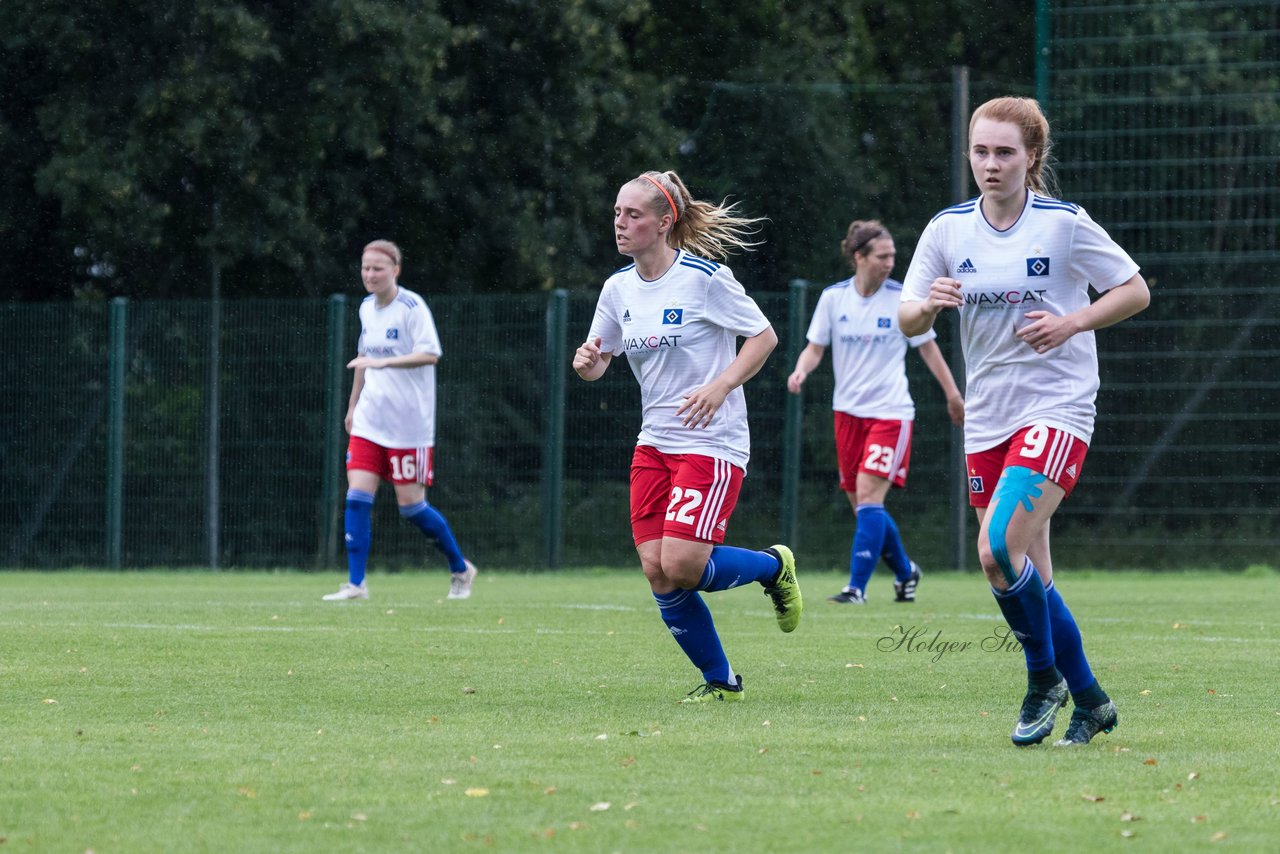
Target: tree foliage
column 150, row 143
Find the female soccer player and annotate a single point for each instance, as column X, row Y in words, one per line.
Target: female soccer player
column 677, row 317
column 858, row 319
column 391, row 418
column 1017, row 264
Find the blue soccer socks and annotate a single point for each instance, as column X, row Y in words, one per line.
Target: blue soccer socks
column 357, row 522
column 893, row 551
column 868, row 542
column 437, row 529
column 1068, row 650
column 1026, row 610
column 689, row 621
column 730, row 567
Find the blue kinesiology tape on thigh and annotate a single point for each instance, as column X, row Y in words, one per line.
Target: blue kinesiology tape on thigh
column 1018, row 485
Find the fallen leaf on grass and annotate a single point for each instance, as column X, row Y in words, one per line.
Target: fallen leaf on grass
column 1146, row 693
column 913, row 815
column 628, row 762
column 476, row 793
column 1127, row 834
column 550, row 790
column 305, row 815
column 247, row 792
column 49, row 701
column 1194, row 775
column 1199, row 819
column 600, row 807
column 1219, row 836
column 468, row 690
column 854, row 665
column 1211, row 691
column 1128, row 816
column 604, row 736
column 1094, row 798
column 1150, row 760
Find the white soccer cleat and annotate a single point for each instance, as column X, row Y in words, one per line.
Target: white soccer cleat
column 348, row 591
column 460, row 582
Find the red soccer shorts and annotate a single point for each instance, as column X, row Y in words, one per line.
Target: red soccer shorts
column 1056, row 454
column 877, row 446
column 686, row 496
column 398, row 465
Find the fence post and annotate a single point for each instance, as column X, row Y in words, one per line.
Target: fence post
column 1043, row 32
column 792, row 440
column 553, row 434
column 959, row 480
column 118, row 319
column 334, row 374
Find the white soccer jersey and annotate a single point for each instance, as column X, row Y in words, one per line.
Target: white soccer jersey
column 397, row 406
column 1046, row 261
column 868, row 350
column 679, row 332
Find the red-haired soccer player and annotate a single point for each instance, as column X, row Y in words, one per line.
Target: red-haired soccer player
column 1017, row 264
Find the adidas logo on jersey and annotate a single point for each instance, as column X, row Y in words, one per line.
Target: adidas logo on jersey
column 626, row 316
column 1071, row 470
column 966, row 266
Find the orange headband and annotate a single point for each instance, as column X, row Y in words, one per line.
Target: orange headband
column 664, row 192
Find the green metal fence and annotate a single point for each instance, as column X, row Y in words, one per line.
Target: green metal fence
column 166, row 433
column 107, row 444
column 1167, row 121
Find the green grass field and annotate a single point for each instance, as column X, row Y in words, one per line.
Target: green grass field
column 237, row 712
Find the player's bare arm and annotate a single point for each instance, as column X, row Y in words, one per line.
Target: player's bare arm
column 1047, row 331
column 589, row 362
column 810, row 358
column 408, row 360
column 701, row 405
column 917, row 317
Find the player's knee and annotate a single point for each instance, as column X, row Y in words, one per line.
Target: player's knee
column 682, row 572
column 993, row 555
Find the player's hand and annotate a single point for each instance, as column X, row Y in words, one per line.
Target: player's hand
column 1045, row 331
column 700, row 406
column 587, row 356
column 366, row 362
column 943, row 293
column 955, row 409
column 795, row 381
